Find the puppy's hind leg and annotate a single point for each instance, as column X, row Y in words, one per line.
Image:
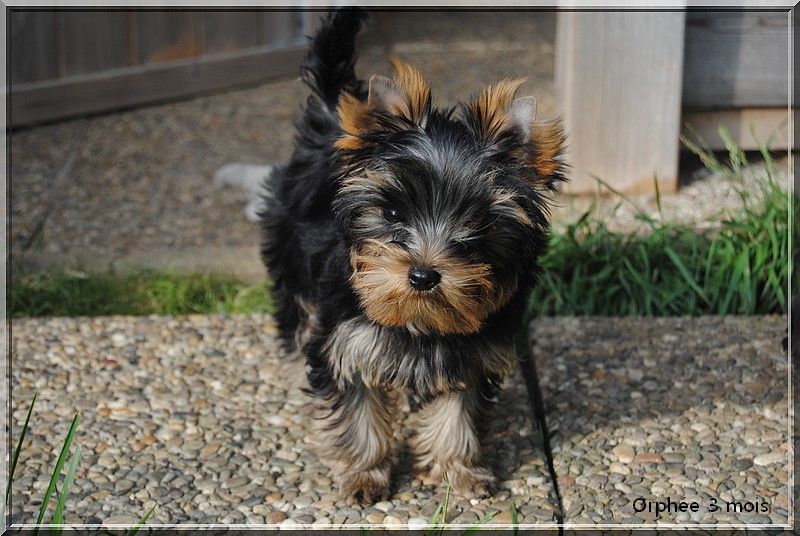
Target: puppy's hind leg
column 305, row 314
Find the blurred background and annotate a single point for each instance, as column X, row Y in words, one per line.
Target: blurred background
column 120, row 119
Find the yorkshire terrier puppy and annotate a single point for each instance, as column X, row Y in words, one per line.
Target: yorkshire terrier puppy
column 402, row 241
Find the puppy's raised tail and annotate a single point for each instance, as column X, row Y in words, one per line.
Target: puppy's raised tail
column 329, row 66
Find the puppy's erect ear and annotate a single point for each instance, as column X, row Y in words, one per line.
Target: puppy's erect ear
column 384, row 95
column 405, row 98
column 488, row 114
column 546, row 151
column 522, row 114
column 496, row 112
column 415, row 89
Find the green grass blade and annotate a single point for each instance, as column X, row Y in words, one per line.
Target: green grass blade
column 143, row 520
column 744, row 286
column 776, row 287
column 703, row 152
column 477, row 525
column 514, row 520
column 58, row 513
column 446, row 507
column 435, row 520
column 676, row 260
column 732, row 286
column 59, row 464
column 658, row 198
column 640, row 214
column 15, row 458
column 436, row 515
column 736, row 156
column 764, row 149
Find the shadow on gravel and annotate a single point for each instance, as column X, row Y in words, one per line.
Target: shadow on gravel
column 598, row 373
column 695, row 400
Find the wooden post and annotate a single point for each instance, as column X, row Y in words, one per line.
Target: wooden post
column 618, row 78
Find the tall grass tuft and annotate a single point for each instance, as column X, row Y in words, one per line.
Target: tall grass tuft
column 742, row 267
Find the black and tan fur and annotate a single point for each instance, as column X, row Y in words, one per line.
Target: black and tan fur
column 383, row 187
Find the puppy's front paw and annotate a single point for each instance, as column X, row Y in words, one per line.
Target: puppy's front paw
column 366, row 486
column 468, row 482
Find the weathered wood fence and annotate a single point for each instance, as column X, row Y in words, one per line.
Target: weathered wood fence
column 64, row 63
column 631, row 82
column 628, row 82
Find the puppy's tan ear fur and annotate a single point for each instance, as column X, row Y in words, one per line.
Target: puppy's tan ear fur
column 496, row 111
column 416, row 90
column 384, row 95
column 547, row 145
column 406, row 96
column 490, row 109
column 355, row 120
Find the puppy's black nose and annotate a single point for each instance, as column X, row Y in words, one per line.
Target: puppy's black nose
column 423, row 278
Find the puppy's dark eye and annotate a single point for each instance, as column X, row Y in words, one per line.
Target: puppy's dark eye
column 392, row 215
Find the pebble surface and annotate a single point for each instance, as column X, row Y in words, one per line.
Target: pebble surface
column 691, row 409
column 200, row 416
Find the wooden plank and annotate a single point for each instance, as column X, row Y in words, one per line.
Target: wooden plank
column 229, row 30
column 741, row 123
column 278, row 27
column 132, row 41
column 94, row 41
column 619, row 79
column 311, row 21
column 736, row 59
column 168, row 35
column 33, row 46
column 46, row 101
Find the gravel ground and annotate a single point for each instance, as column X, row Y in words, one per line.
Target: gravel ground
column 691, row 409
column 197, row 414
